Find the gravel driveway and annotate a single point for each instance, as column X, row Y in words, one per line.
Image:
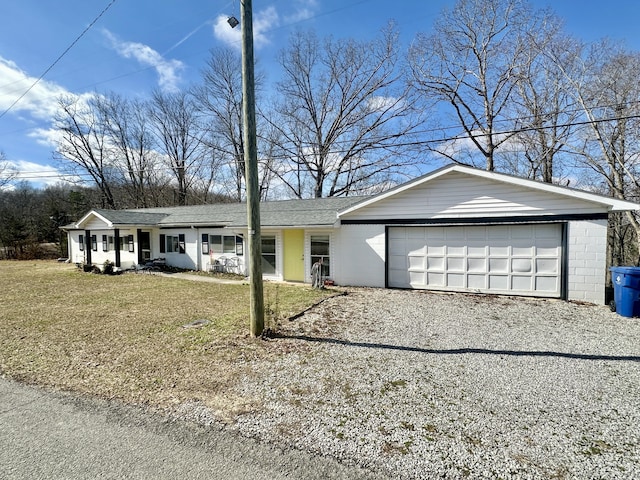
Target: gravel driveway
column 415, row 384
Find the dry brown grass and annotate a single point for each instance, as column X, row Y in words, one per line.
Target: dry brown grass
column 123, row 337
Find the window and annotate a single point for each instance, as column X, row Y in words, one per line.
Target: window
column 269, row 254
column 215, row 243
column 172, row 243
column 124, row 242
column 81, row 243
column 110, row 243
column 320, row 249
column 130, row 241
column 94, row 243
column 223, row 244
column 229, row 245
column 105, row 244
column 205, row 244
column 175, row 243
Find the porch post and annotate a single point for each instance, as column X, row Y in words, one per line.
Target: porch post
column 140, row 259
column 88, row 246
column 116, row 243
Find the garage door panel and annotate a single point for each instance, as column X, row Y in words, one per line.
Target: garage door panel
column 550, row 251
column 547, row 266
column 522, row 259
column 521, row 283
column 499, row 282
column 498, row 250
column 456, row 280
column 497, row 265
column 397, row 263
column 476, row 265
column 498, row 232
column 477, row 282
column 435, row 249
column 416, row 278
column 546, row 284
column 416, row 263
column 435, row 263
column 456, row 264
column 521, row 265
column 474, row 251
column 435, row 279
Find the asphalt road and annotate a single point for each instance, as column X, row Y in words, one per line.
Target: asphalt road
column 59, row 436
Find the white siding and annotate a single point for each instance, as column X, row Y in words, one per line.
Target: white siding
column 587, row 260
column 359, row 255
column 187, row 260
column 96, row 224
column 76, row 255
column 457, row 195
column 205, row 260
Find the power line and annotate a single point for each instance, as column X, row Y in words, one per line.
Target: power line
column 77, row 39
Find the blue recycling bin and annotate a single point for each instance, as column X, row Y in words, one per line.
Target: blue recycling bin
column 626, row 290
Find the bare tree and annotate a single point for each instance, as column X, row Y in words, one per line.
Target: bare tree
column 544, row 103
column 471, row 64
column 126, row 122
column 7, row 172
column 608, row 94
column 179, row 138
column 220, row 101
column 341, row 113
column 83, row 145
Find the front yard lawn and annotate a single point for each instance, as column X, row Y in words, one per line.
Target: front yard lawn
column 123, row 336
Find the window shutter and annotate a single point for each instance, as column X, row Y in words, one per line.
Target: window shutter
column 181, row 244
column 163, row 245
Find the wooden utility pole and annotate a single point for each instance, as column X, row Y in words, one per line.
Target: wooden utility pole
column 251, row 169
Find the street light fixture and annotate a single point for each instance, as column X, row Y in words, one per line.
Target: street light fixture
column 233, row 21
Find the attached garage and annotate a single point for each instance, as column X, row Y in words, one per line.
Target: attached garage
column 502, row 259
column 463, row 229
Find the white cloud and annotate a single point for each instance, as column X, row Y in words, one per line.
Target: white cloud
column 167, row 69
column 47, row 137
column 263, row 22
column 38, row 174
column 305, row 9
column 40, row 101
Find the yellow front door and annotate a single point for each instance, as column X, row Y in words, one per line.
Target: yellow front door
column 293, row 243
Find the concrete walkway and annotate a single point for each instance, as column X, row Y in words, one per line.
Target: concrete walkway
column 202, row 278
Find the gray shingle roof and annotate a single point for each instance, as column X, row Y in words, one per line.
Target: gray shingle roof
column 282, row 213
column 129, row 217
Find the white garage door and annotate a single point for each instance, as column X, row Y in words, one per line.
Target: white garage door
column 503, row 259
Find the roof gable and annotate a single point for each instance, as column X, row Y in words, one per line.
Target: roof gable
column 457, row 190
column 115, row 218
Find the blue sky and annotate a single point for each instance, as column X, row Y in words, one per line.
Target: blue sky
column 140, row 45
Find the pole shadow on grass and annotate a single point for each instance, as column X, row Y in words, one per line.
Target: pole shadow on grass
column 460, row 351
